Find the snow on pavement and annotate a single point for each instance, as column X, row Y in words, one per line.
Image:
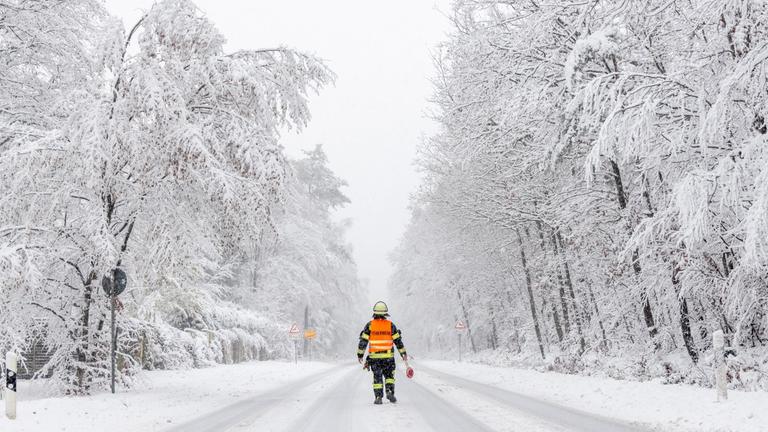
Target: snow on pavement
column 165, row 399
column 504, row 411
column 275, row 407
column 444, row 396
column 347, row 406
column 661, row 407
column 341, row 400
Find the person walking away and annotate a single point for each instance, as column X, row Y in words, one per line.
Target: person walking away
column 381, row 336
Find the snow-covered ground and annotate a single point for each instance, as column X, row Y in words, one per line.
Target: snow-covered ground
column 165, row 398
column 658, row 406
column 444, row 396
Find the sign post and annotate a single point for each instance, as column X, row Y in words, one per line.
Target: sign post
column 460, row 327
column 113, row 285
column 309, row 335
column 11, row 371
column 295, row 335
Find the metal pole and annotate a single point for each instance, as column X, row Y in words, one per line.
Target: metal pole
column 296, row 351
column 114, row 344
column 11, row 371
column 459, row 346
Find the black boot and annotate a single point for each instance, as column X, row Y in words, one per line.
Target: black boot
column 391, row 396
column 377, row 401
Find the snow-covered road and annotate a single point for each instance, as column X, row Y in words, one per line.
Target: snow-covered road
column 347, row 405
column 541, row 414
column 341, row 400
column 246, row 412
column 445, row 396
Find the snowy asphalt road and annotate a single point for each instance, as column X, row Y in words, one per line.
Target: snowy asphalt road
column 557, row 416
column 249, row 409
column 341, row 400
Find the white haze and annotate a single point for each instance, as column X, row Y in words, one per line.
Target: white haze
column 372, row 120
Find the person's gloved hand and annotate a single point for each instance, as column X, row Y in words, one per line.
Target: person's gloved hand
column 360, row 360
column 405, row 357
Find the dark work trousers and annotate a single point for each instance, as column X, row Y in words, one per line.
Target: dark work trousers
column 383, row 375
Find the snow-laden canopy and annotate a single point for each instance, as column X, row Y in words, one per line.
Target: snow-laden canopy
column 598, row 186
column 155, row 150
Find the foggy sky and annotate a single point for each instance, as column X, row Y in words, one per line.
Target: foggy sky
column 372, row 120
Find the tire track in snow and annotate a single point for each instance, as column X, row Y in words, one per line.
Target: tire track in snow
column 331, row 407
column 348, row 406
column 568, row 418
column 250, row 408
column 441, row 414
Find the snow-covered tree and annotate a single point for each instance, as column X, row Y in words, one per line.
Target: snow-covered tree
column 150, row 149
column 308, row 268
column 614, row 152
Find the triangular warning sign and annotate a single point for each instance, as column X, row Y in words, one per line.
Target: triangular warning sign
column 460, row 325
column 294, row 329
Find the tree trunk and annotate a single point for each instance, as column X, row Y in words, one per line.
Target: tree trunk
column 494, row 339
column 556, row 322
column 515, row 324
column 561, row 292
column 685, row 327
column 82, row 352
column 527, row 272
column 553, row 308
column 604, row 342
column 516, row 335
column 545, row 303
column 703, row 332
column 560, row 253
column 647, row 312
column 685, row 320
column 82, row 349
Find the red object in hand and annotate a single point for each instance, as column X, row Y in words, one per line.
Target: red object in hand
column 409, row 372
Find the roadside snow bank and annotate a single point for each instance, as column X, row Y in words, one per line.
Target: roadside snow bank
column 166, row 398
column 745, row 367
column 664, row 407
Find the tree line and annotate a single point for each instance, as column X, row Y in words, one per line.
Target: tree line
column 152, row 149
column 596, row 196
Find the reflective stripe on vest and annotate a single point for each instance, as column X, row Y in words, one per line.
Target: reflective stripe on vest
column 382, row 355
column 381, row 336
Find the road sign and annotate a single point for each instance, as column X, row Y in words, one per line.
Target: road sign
column 120, row 281
column 460, row 328
column 294, row 332
column 115, row 282
column 310, row 334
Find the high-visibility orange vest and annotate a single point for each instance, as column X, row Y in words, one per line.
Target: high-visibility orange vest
column 381, row 336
